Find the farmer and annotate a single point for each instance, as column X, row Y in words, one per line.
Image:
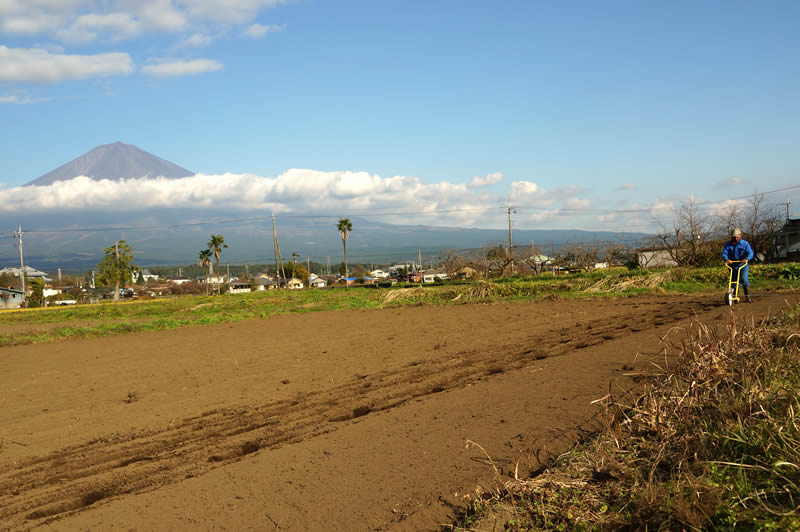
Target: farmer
column 738, row 249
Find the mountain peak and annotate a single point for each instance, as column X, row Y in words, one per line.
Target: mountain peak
column 114, row 161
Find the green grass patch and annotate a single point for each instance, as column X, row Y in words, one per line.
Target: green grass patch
column 105, row 319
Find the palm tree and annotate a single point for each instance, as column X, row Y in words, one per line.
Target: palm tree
column 216, row 244
column 345, row 227
column 205, row 261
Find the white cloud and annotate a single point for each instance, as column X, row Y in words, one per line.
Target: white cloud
column 227, row 11
column 625, row 186
column 578, row 203
column 20, row 99
column 260, row 30
column 36, row 64
column 490, row 179
column 296, row 190
column 725, row 207
column 305, row 191
column 182, row 67
column 197, row 40
column 78, row 21
column 86, row 27
column 662, row 207
column 730, row 182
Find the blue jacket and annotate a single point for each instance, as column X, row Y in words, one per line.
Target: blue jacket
column 737, row 250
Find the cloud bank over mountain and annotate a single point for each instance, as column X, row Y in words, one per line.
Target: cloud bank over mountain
column 399, row 199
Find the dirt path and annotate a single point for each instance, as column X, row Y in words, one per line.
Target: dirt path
column 349, row 420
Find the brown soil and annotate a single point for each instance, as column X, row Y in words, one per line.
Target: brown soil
column 348, row 420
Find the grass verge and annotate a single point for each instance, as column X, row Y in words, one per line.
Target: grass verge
column 713, row 444
column 55, row 324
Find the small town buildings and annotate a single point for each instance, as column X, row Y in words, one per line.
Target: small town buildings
column 178, row 280
column 10, row 298
column 145, row 275
column 379, row 274
column 294, row 284
column 262, row 283
column 240, row 287
column 467, row 273
column 47, row 292
column 317, row 282
column 431, row 276
column 786, row 242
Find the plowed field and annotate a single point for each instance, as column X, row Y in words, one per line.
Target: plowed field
column 348, row 420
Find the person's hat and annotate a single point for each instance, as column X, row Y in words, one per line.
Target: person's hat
column 736, row 232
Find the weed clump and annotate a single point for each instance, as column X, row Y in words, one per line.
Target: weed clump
column 713, row 444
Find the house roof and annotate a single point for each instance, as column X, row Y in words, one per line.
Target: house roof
column 11, row 290
column 30, row 272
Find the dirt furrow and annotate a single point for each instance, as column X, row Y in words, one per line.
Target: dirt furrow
column 42, row 488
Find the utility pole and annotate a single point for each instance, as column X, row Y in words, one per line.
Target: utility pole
column 21, row 264
column 308, row 264
column 93, row 272
column 510, row 241
column 329, row 265
column 229, row 273
column 278, row 261
column 59, row 275
column 180, row 271
column 786, row 230
column 116, row 275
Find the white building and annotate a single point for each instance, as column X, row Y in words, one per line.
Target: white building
column 379, row 274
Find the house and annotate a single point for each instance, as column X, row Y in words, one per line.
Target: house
column 786, row 242
column 240, row 287
column 467, row 273
column 47, row 292
column 317, row 282
column 10, row 298
column 30, row 272
column 145, row 275
column 431, row 276
column 654, row 258
column 379, row 274
column 294, row 284
column 178, row 280
column 262, row 283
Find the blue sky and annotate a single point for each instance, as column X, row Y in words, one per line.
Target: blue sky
column 554, row 105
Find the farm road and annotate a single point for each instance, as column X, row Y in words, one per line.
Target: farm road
column 348, row 420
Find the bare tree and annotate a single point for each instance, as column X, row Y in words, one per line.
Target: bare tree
column 690, row 240
column 758, row 221
column 452, row 262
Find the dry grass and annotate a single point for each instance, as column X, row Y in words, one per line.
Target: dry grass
column 713, row 444
column 620, row 284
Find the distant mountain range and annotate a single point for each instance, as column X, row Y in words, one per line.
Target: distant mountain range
column 75, row 240
column 114, row 162
column 176, row 236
